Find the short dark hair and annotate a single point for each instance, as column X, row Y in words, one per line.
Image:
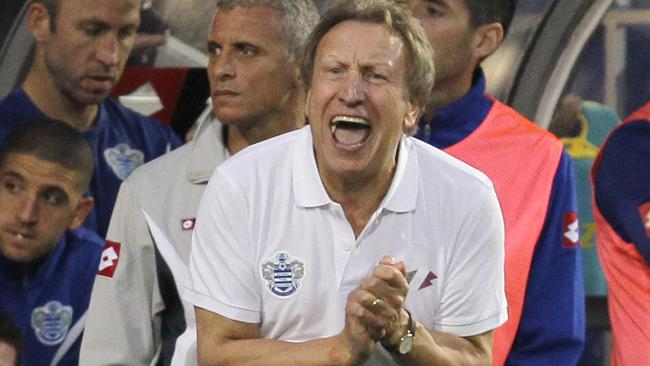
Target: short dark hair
column 54, row 141
column 11, row 335
column 491, row 11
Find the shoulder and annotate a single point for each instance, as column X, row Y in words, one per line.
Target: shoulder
column 84, row 249
column 119, row 113
column 512, row 121
column 627, row 143
column 266, row 154
column 439, row 166
column 158, row 170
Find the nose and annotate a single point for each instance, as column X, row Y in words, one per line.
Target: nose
column 222, row 66
column 352, row 91
column 108, row 51
column 27, row 211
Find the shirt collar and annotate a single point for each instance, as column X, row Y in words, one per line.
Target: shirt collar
column 310, row 191
column 207, row 150
column 45, row 266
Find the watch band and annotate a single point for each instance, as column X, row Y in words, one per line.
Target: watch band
column 408, row 340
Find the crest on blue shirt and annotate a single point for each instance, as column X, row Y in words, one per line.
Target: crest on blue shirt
column 51, row 322
column 123, row 159
column 283, row 275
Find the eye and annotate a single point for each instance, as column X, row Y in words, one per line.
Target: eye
column 335, row 70
column 247, row 50
column 377, row 76
column 127, row 33
column 93, row 29
column 10, row 185
column 434, row 11
column 54, row 197
column 214, row 49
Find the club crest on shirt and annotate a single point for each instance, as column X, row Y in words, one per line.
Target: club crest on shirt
column 644, row 210
column 123, row 159
column 283, row 274
column 51, row 322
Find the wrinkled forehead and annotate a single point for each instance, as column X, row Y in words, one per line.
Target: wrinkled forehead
column 118, row 12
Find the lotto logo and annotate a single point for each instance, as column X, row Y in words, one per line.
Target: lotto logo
column 644, row 210
column 109, row 260
column 571, row 230
column 188, row 224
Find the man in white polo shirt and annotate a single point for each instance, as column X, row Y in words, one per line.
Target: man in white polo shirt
column 346, row 241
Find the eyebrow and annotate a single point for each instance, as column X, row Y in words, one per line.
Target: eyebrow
column 439, row 2
column 12, row 174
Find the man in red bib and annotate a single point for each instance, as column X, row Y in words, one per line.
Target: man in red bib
column 622, row 211
column 532, row 175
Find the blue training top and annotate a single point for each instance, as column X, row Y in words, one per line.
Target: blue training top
column 122, row 140
column 47, row 302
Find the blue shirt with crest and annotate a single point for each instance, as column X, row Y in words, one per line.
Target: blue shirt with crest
column 122, row 140
column 48, row 300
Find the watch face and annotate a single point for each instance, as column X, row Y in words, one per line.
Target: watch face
column 406, row 343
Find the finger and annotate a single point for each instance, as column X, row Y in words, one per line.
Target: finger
column 376, row 287
column 391, row 275
column 391, row 261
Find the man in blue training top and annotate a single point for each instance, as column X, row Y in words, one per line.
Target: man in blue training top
column 81, row 49
column 47, row 262
column 532, row 175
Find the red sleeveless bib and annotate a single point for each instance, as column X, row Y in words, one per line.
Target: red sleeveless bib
column 628, row 282
column 521, row 159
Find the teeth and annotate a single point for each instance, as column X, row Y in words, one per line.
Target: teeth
column 20, row 236
column 350, row 119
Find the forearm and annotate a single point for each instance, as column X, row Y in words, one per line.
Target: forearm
column 258, row 351
column 439, row 348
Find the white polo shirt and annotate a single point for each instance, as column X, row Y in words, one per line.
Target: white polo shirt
column 271, row 247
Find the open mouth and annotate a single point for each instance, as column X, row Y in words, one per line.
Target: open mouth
column 350, row 131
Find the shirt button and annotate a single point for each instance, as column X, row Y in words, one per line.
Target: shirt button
column 348, row 246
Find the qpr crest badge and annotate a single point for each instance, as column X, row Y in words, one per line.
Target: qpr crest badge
column 283, row 275
column 123, row 159
column 51, row 322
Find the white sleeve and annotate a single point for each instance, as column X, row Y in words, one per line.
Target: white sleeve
column 474, row 295
column 223, row 276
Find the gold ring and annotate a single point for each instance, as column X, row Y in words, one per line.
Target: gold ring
column 375, row 302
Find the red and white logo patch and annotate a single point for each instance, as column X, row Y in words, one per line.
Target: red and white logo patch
column 571, row 229
column 644, row 210
column 110, row 257
column 188, row 224
column 428, row 280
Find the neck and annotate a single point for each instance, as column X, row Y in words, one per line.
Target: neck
column 44, row 93
column 245, row 133
column 359, row 195
column 449, row 90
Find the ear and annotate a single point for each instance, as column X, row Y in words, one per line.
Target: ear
column 411, row 117
column 297, row 77
column 307, row 100
column 38, row 21
column 81, row 212
column 487, row 39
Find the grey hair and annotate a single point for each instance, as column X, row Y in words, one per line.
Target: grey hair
column 395, row 17
column 298, row 19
